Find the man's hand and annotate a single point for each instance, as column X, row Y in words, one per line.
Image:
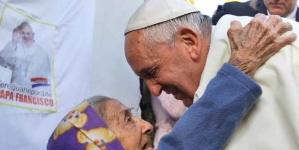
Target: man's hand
column 9, row 57
column 15, row 37
column 254, row 44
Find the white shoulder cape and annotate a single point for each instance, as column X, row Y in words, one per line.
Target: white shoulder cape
column 273, row 123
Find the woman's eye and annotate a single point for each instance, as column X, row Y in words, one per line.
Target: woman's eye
column 129, row 119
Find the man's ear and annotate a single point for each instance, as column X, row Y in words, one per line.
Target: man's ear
column 191, row 40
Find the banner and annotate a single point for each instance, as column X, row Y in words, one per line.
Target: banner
column 26, row 61
column 190, row 1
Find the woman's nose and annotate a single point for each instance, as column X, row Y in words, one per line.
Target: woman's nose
column 145, row 126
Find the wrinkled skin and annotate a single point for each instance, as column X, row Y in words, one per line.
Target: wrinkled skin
column 177, row 70
column 280, row 7
column 132, row 132
column 254, row 44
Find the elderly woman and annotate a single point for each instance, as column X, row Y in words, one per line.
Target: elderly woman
column 100, row 123
column 104, row 123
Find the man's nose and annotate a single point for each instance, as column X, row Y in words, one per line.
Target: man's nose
column 154, row 87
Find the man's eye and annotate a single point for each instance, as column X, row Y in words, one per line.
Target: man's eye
column 152, row 73
column 149, row 74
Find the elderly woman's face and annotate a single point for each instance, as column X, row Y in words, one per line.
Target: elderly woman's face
column 132, row 132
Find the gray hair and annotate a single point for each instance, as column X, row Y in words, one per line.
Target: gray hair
column 24, row 24
column 99, row 104
column 165, row 32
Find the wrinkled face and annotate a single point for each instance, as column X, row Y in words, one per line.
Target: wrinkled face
column 280, row 7
column 171, row 69
column 132, row 132
column 27, row 35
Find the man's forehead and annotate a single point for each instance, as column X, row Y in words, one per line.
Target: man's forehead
column 27, row 28
column 134, row 38
column 141, row 62
column 136, row 48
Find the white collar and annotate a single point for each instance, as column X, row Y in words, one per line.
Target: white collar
column 29, row 51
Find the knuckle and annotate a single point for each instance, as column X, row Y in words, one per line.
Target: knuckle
column 230, row 31
column 275, row 17
column 254, row 22
column 294, row 36
column 288, row 26
column 291, row 39
column 265, row 26
column 260, row 15
column 280, row 25
column 233, row 22
column 273, row 35
column 284, row 26
column 280, row 41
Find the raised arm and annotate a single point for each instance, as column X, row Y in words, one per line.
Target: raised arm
column 209, row 122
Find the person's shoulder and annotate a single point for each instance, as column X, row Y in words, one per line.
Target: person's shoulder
column 40, row 51
column 236, row 3
column 237, row 8
column 226, row 19
column 37, row 46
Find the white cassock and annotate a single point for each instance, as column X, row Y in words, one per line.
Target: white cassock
column 273, row 123
column 26, row 63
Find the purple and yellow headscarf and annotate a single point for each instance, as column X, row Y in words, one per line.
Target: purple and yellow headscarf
column 83, row 129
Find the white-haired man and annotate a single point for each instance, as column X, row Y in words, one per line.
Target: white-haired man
column 170, row 49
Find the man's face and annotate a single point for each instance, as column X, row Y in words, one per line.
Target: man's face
column 132, row 132
column 27, row 35
column 280, row 7
column 166, row 68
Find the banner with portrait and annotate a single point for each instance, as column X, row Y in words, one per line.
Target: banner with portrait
column 26, row 61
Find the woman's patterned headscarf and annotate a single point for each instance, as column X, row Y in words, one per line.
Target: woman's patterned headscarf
column 83, row 129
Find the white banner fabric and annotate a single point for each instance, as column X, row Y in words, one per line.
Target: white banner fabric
column 60, row 31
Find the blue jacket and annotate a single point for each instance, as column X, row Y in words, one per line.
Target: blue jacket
column 209, row 122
